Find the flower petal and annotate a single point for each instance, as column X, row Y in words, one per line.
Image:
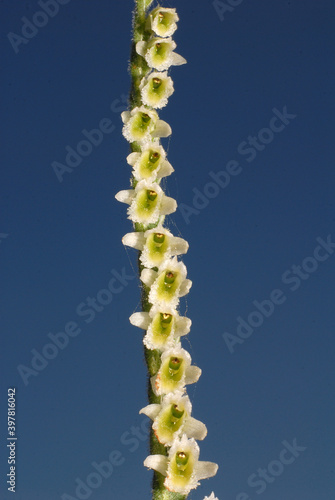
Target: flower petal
column 168, row 205
column 141, row 48
column 162, row 129
column 134, row 240
column 125, row 115
column 148, row 276
column 166, row 169
column 194, row 428
column 177, row 59
column 179, row 245
column 125, row 196
column 192, row 374
column 157, row 462
column 183, row 326
column 185, row 287
column 206, row 469
column 140, row 319
column 132, row 157
column 151, row 411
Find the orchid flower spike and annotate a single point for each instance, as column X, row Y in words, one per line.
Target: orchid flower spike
column 172, row 418
column 147, row 202
column 164, row 277
column 168, row 283
column 175, row 371
column 142, row 125
column 159, row 53
column 182, row 467
column 156, row 245
column 151, row 164
column 155, row 89
column 163, row 327
column 162, row 21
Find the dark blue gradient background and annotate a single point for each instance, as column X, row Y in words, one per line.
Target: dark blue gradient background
column 64, row 239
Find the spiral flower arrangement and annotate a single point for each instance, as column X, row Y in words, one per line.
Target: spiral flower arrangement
column 173, row 443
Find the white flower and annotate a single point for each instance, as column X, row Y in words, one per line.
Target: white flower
column 159, row 54
column 163, row 21
column 155, row 89
column 163, row 326
column 156, row 245
column 167, row 284
column 142, row 125
column 173, row 417
column 150, row 164
column 175, row 371
column 182, row 467
column 211, row 497
column 147, row 202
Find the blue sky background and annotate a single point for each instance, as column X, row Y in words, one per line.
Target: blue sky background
column 60, row 242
